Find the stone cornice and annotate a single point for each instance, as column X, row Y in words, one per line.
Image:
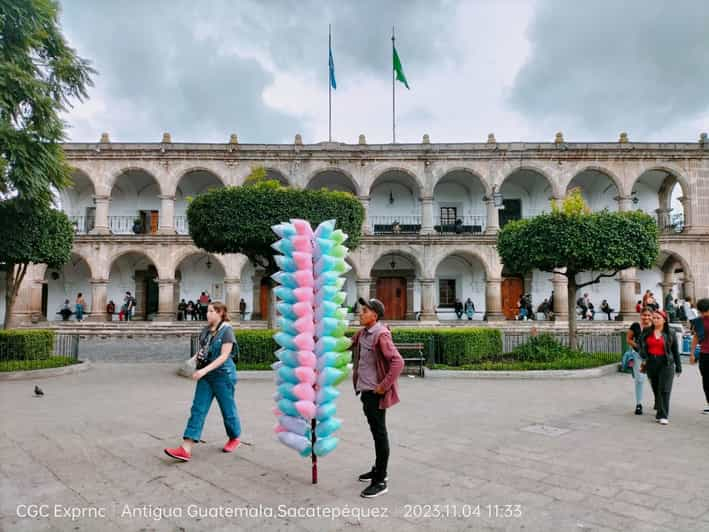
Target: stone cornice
column 353, row 152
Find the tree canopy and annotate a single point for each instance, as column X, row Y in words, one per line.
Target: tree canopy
column 39, row 77
column 570, row 240
column 30, row 233
column 239, row 219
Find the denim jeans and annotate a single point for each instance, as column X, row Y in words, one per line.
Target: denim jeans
column 638, row 377
column 219, row 383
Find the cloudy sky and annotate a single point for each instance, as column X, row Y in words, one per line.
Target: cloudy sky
column 522, row 69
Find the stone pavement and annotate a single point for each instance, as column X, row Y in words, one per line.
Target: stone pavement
column 552, row 455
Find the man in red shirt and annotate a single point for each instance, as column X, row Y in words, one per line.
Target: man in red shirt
column 377, row 365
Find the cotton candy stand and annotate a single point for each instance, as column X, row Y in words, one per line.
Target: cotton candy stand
column 313, row 354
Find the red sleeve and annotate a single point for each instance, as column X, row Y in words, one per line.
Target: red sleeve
column 391, row 353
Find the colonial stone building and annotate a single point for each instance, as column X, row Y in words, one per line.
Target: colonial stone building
column 433, row 211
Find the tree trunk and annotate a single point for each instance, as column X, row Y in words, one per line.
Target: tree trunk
column 571, row 295
column 15, row 276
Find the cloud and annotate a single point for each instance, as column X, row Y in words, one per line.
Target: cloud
column 603, row 67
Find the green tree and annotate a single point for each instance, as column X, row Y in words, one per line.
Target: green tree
column 239, row 219
column 39, row 77
column 570, row 241
column 30, row 233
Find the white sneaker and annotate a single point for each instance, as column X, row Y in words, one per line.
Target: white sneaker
column 663, row 421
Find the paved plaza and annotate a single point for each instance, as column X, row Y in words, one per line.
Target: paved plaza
column 466, row 454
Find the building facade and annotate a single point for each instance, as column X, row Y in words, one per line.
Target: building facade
column 432, row 214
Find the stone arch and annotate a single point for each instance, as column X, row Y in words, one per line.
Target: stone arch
column 183, row 254
column 335, row 170
column 664, row 190
column 410, row 176
column 278, row 175
column 671, row 170
column 668, row 255
column 533, row 169
column 146, row 252
column 408, row 254
column 42, row 269
column 175, row 185
column 126, row 169
column 487, row 187
column 468, row 255
column 601, row 170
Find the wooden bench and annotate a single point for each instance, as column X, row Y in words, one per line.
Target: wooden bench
column 416, row 361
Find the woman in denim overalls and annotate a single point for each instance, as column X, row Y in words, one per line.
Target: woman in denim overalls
column 216, row 377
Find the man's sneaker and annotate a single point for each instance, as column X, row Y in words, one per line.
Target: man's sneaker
column 639, row 410
column 369, row 476
column 375, row 489
column 179, row 453
column 663, row 421
column 231, row 445
column 706, row 410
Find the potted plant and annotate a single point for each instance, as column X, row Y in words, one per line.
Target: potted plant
column 137, row 226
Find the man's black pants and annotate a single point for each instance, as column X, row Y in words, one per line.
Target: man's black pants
column 376, row 418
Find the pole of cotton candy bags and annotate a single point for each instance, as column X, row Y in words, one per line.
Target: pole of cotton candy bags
column 313, row 354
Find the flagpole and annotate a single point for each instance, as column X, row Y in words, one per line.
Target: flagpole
column 393, row 91
column 329, row 84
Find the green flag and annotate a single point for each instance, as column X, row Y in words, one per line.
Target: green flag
column 399, row 70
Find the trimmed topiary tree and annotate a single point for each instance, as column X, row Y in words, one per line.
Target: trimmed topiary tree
column 30, row 233
column 571, row 240
column 239, row 219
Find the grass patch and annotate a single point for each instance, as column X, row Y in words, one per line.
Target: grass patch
column 24, row 365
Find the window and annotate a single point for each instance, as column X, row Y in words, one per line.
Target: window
column 446, row 293
column 448, row 215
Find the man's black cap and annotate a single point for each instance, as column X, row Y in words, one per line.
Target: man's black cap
column 374, row 304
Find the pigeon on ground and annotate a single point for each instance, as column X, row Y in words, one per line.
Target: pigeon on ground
column 38, row 391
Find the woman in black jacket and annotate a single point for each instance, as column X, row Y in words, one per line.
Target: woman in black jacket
column 658, row 347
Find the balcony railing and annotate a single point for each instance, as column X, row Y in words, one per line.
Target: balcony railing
column 130, row 225
column 395, row 225
column 463, row 225
column 670, row 222
column 82, row 224
column 181, row 225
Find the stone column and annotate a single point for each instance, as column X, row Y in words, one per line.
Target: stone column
column 427, row 215
column 167, row 310
column 625, row 203
column 663, row 219
column 561, row 297
column 428, row 313
column 36, row 301
column 364, row 288
column 627, row 295
column 687, row 207
column 101, row 221
column 493, row 300
column 232, row 296
column 689, row 291
column 493, row 218
column 366, row 228
column 167, row 215
column 99, row 289
column 667, row 286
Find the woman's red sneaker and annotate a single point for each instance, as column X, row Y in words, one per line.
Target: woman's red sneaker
column 231, row 445
column 179, row 453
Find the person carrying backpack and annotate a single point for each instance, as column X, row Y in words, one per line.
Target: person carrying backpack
column 215, row 373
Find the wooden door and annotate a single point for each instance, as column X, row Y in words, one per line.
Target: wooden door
column 512, row 288
column 392, row 292
column 512, row 211
column 154, row 218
